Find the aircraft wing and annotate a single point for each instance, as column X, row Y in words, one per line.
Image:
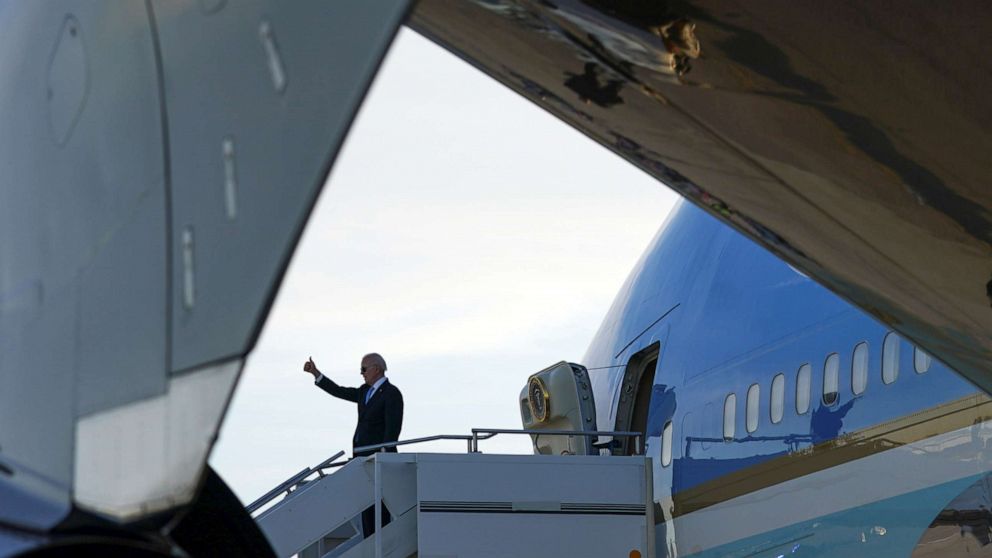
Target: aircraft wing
column 158, row 161
column 851, row 139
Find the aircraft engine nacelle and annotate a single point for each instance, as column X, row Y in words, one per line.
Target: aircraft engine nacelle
column 559, row 398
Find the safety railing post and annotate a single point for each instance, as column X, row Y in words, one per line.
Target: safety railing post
column 377, row 494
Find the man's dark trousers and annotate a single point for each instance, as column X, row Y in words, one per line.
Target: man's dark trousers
column 368, row 516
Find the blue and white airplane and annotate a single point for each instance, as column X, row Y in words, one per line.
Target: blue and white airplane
column 782, row 420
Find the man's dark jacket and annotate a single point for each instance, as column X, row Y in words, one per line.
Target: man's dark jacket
column 379, row 421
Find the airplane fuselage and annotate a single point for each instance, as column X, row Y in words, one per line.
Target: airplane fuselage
column 781, row 419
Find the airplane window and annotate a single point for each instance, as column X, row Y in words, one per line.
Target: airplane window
column 729, row 410
column 778, row 398
column 666, row 445
column 890, row 358
column 753, row 400
column 831, row 370
column 921, row 361
column 859, row 369
column 803, row 382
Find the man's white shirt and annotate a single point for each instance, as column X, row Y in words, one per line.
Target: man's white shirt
column 375, row 386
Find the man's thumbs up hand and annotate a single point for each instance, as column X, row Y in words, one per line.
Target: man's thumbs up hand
column 310, row 368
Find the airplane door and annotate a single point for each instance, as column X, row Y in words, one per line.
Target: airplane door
column 647, row 404
column 634, row 404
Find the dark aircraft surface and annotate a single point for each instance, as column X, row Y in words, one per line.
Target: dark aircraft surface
column 852, row 139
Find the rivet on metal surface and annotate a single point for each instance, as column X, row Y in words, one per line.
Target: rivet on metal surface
column 267, row 36
column 189, row 294
column 230, row 179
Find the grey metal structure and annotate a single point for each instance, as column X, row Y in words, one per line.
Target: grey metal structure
column 158, row 161
column 471, row 505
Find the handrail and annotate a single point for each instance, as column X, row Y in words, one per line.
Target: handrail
column 329, row 462
column 385, row 445
column 290, row 483
column 486, row 433
column 473, row 447
column 490, row 432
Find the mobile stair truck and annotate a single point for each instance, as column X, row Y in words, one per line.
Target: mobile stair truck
column 574, row 497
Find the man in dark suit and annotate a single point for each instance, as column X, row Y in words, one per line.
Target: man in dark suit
column 380, row 413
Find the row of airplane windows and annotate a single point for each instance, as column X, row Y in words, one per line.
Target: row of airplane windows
column 831, row 377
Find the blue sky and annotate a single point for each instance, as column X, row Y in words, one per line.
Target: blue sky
column 467, row 236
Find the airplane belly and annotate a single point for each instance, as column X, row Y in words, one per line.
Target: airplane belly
column 840, row 137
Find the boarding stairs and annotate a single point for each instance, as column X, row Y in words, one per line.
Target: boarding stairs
column 470, row 504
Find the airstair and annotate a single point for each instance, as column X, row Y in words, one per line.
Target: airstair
column 471, row 504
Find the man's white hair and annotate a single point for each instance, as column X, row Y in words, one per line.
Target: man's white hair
column 377, row 360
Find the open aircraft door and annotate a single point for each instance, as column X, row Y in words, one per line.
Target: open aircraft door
column 560, row 398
